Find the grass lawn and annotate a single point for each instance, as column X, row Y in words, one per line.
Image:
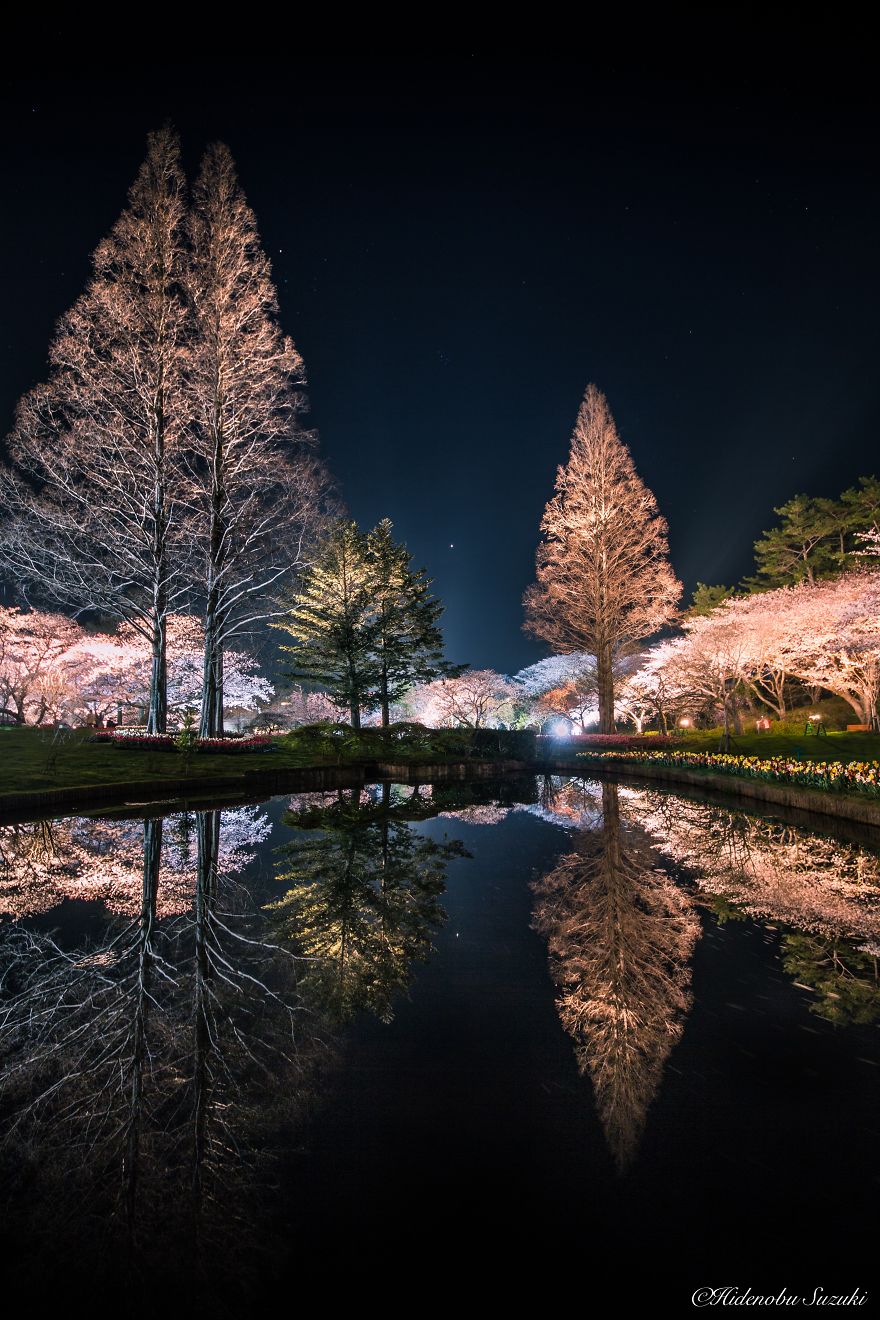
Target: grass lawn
column 31, row 761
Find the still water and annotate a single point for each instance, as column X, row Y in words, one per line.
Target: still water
column 439, row 1040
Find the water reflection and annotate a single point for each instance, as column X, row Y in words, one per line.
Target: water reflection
column 824, row 892
column 619, row 916
column 160, row 1056
column 362, row 895
column 144, row 1068
column 620, row 934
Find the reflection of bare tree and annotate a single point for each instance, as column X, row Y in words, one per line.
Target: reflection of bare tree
column 827, row 890
column 144, row 1076
column 620, row 935
column 363, row 896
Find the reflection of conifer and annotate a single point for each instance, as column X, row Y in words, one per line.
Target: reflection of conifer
column 362, row 900
column 620, row 935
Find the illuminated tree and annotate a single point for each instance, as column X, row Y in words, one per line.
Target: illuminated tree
column 256, row 484
column 832, row 638
column 332, row 622
column 94, row 523
column 603, row 578
column 474, row 699
column 36, row 665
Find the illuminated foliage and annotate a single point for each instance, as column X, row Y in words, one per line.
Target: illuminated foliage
column 603, row 580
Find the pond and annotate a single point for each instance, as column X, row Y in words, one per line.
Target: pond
column 548, row 1030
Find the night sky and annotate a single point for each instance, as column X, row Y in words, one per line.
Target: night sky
column 461, row 246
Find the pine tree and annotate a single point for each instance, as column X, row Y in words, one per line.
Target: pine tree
column 408, row 640
column 707, row 598
column 257, row 487
column 332, row 622
column 604, row 581
column 93, row 521
column 803, row 547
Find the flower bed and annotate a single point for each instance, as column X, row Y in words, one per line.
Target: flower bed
column 165, row 742
column 841, row 777
column 625, row 741
column 156, row 742
column 231, row 746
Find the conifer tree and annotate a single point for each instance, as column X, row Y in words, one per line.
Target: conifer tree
column 604, row 581
column 332, row 622
column 408, row 640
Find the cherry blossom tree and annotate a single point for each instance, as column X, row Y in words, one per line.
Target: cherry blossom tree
column 37, row 664
column 832, row 638
column 708, row 664
column 476, row 699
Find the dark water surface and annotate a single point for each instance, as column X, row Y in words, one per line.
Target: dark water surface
column 404, row 1045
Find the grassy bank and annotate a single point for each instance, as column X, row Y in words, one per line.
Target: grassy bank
column 35, row 760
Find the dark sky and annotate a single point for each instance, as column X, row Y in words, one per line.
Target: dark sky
column 461, row 246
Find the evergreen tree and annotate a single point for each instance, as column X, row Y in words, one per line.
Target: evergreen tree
column 332, row 622
column 815, row 538
column 707, row 598
column 802, row 548
column 604, row 581
column 408, row 640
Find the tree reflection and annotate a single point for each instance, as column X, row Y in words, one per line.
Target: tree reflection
column 363, row 895
column 824, row 890
column 145, row 1074
column 620, row 935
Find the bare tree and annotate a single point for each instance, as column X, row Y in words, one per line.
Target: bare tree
column 603, row 577
column 257, row 485
column 94, row 522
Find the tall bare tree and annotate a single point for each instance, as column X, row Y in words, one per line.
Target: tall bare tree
column 604, row 581
column 93, row 519
column 257, row 485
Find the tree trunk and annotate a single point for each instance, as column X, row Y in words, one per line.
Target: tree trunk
column 605, row 678
column 157, row 716
column 211, row 718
